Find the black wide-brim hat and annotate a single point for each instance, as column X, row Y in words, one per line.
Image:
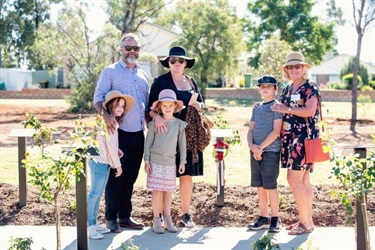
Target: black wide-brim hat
column 177, row 51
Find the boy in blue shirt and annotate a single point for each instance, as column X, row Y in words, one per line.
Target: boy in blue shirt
column 264, row 143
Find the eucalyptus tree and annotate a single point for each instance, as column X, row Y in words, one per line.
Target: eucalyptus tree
column 19, row 23
column 128, row 15
column 211, row 32
column 293, row 22
column 273, row 54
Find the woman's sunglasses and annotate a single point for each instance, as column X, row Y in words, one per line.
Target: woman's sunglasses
column 290, row 67
column 129, row 48
column 174, row 60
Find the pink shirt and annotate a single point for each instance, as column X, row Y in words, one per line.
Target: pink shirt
column 108, row 148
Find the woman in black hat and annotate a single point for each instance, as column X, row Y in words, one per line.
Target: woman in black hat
column 184, row 87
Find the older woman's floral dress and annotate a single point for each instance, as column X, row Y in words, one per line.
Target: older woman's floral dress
column 295, row 128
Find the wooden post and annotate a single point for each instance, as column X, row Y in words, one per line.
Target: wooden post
column 81, row 202
column 220, row 134
column 361, row 225
column 22, row 178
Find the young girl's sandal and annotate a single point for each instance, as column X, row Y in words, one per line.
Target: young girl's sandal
column 300, row 229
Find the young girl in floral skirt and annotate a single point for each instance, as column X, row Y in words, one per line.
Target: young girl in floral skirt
column 160, row 158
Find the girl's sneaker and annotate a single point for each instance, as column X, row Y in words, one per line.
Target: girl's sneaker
column 93, row 234
column 102, row 230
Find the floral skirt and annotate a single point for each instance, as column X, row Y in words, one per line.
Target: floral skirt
column 162, row 178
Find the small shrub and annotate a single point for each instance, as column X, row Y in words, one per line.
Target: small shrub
column 366, row 88
column 363, row 100
column 20, row 243
column 349, row 80
column 241, row 82
column 282, row 204
column 129, row 245
column 372, row 84
column 265, row 243
column 337, row 85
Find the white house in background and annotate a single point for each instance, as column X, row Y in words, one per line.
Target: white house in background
column 155, row 40
column 329, row 70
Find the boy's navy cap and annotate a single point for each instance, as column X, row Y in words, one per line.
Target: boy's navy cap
column 268, row 79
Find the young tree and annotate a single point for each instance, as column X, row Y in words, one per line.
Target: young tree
column 293, row 22
column 54, row 173
column 363, row 16
column 210, row 32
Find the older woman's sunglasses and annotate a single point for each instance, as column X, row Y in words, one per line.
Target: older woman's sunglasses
column 129, row 48
column 290, row 67
column 174, row 60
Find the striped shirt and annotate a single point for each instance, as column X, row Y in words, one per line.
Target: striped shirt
column 263, row 117
column 133, row 82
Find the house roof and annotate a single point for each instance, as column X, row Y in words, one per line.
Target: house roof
column 156, row 39
column 334, row 65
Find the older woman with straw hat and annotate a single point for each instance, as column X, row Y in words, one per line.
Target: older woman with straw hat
column 184, row 87
column 299, row 106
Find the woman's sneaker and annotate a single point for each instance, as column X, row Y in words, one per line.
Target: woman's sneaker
column 187, row 220
column 102, row 230
column 262, row 222
column 93, row 234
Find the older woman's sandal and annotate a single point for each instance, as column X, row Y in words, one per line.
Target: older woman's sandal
column 291, row 226
column 300, row 229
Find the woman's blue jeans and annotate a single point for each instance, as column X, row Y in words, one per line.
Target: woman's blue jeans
column 99, row 173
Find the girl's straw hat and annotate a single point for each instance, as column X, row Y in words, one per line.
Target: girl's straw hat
column 114, row 94
column 168, row 95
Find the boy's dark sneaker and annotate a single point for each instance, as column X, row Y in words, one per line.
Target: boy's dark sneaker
column 262, row 222
column 275, row 225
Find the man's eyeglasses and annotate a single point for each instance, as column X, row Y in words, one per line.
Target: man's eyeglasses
column 290, row 67
column 129, row 48
column 174, row 60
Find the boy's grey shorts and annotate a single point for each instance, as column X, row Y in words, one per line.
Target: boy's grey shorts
column 264, row 173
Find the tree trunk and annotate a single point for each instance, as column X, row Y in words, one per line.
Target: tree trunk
column 355, row 83
column 57, row 219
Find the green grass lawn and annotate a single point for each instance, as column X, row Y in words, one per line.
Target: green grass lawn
column 237, row 163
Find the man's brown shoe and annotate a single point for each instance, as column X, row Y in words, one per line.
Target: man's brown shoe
column 130, row 223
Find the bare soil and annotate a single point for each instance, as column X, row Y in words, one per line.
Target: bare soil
column 241, row 204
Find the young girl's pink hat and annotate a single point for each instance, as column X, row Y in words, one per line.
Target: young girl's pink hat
column 129, row 100
column 168, row 95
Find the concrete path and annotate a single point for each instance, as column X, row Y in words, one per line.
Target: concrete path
column 323, row 238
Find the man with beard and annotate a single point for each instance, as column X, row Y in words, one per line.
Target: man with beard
column 127, row 77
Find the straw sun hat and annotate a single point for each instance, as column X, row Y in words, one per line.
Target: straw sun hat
column 129, row 101
column 294, row 58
